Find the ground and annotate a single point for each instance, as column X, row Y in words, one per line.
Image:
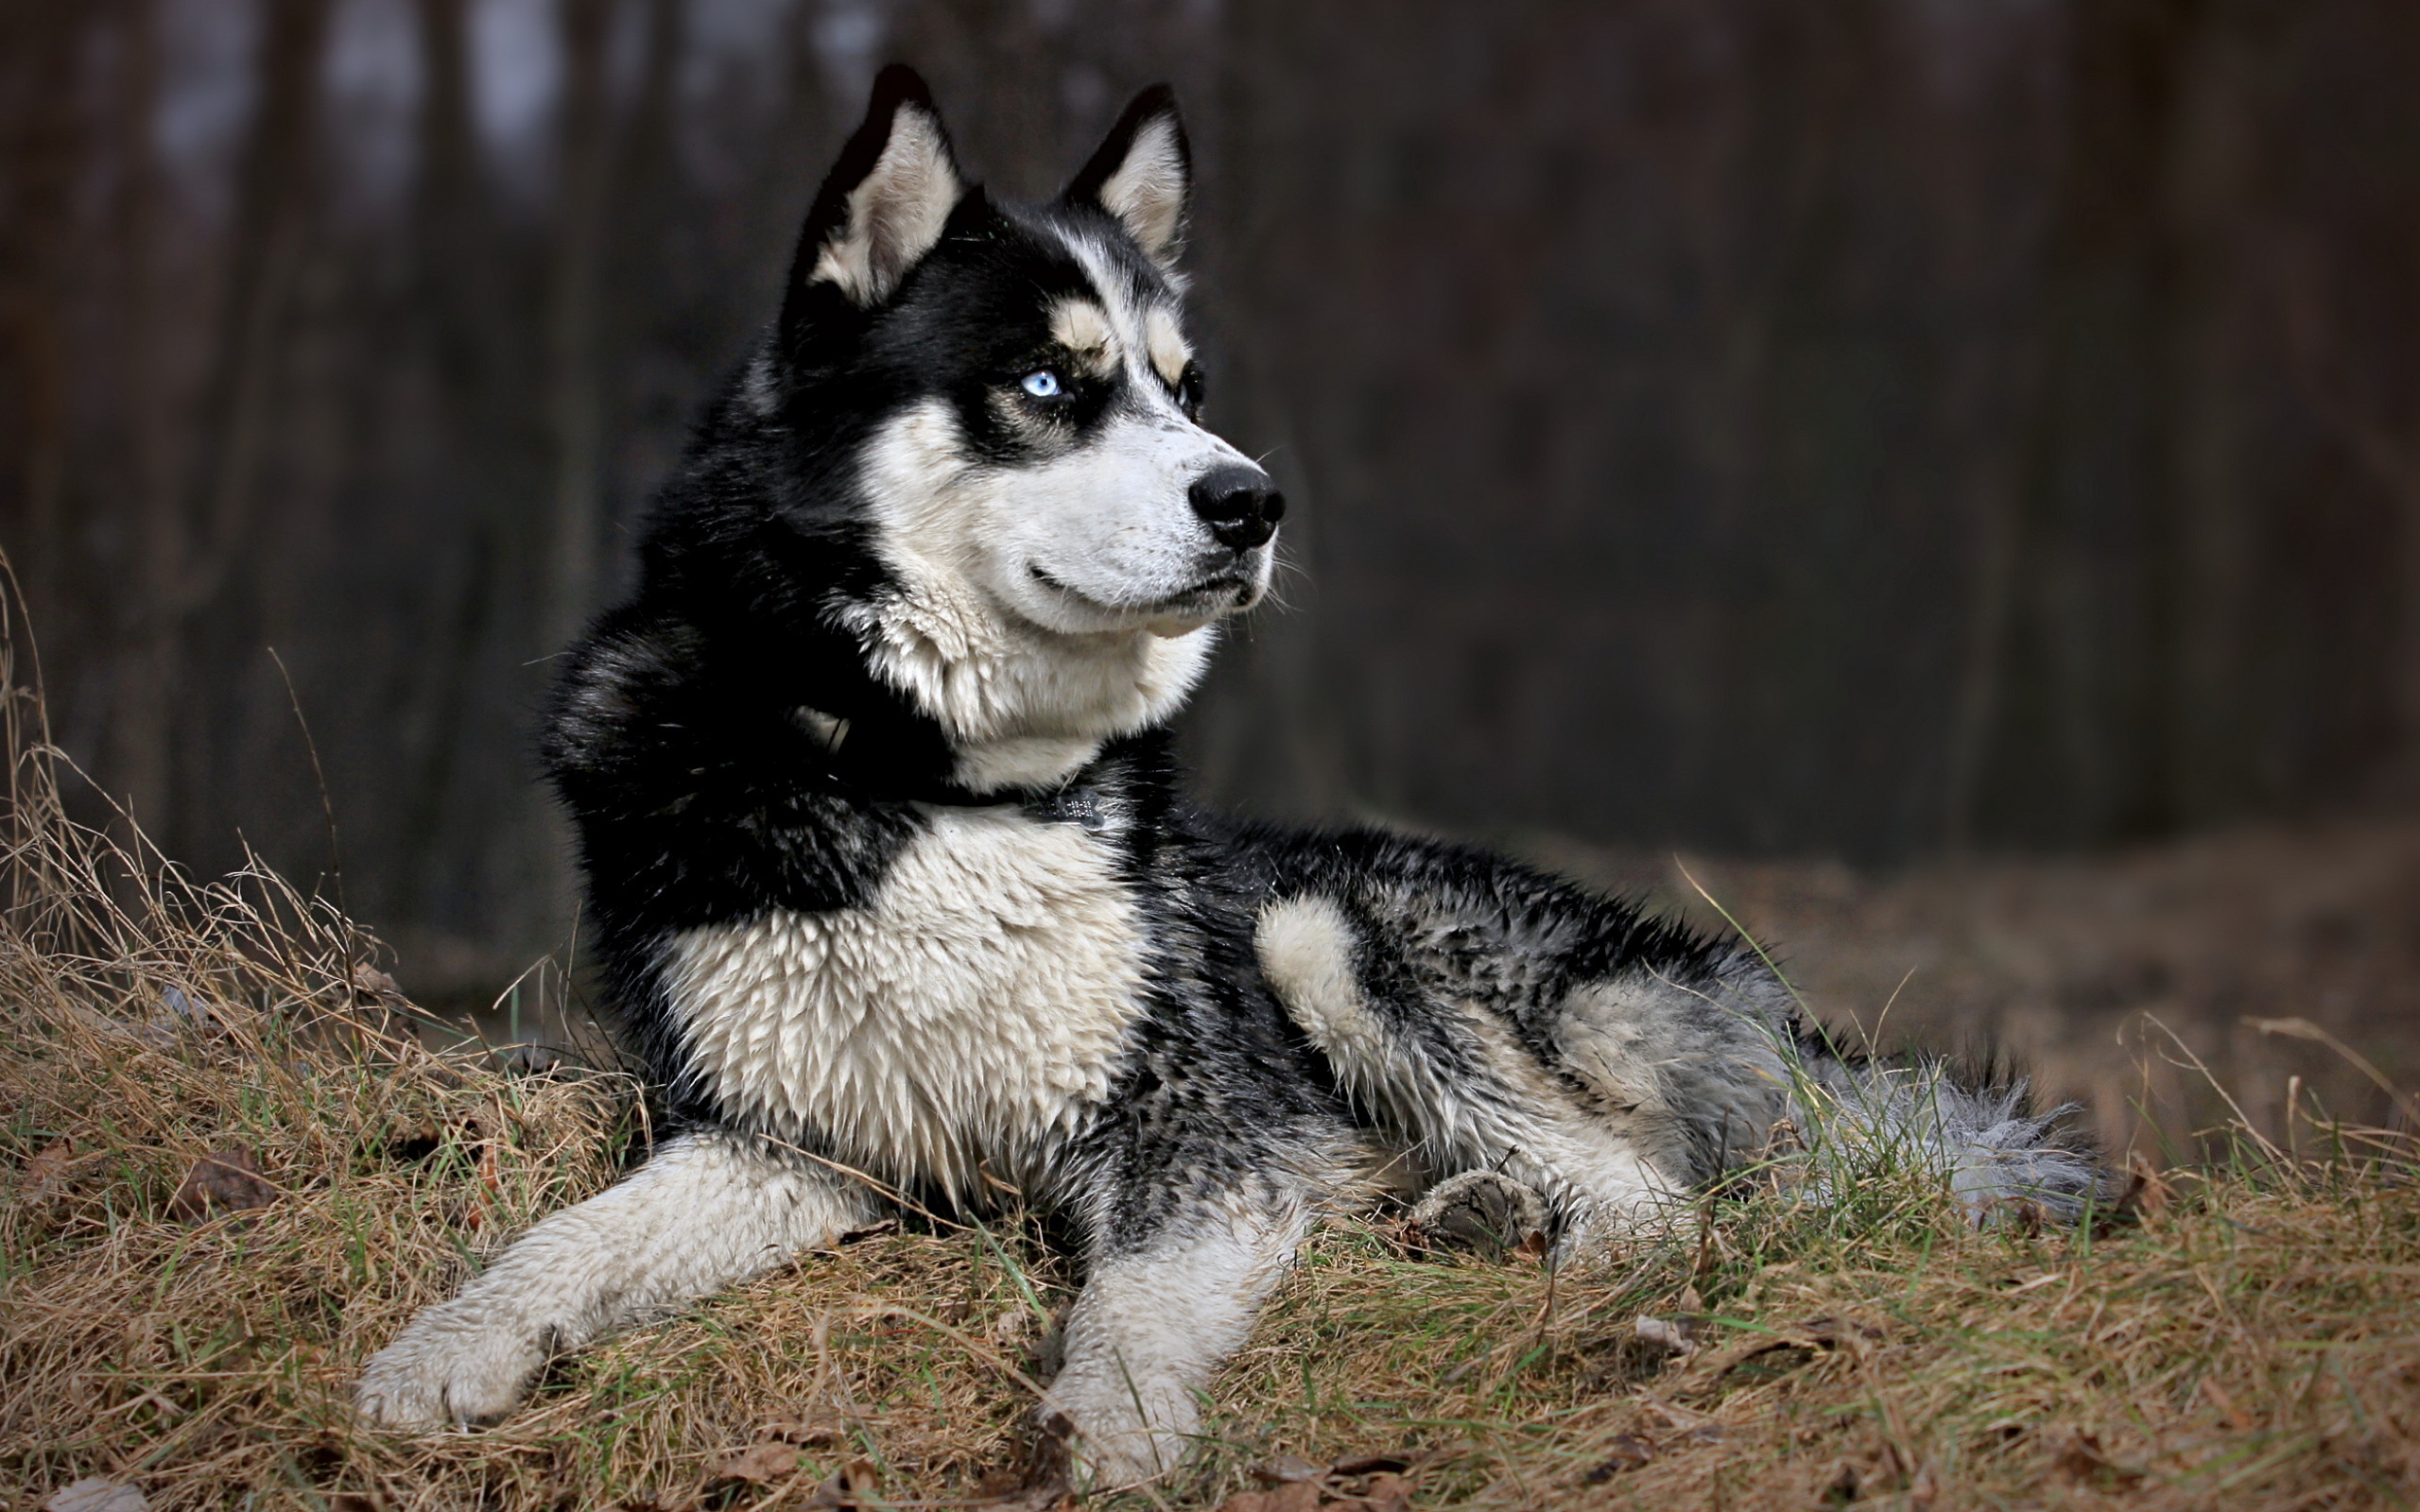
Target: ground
column 231, row 1163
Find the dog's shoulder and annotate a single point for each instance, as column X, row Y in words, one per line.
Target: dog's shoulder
column 702, row 794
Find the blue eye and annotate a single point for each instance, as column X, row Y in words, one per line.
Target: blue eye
column 1042, row 384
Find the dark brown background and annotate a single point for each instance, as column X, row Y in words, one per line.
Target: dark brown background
column 1886, row 430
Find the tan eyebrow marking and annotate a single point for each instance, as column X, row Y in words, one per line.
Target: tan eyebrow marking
column 1170, row 351
column 1083, row 327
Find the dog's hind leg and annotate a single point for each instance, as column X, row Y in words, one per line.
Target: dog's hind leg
column 1155, row 1318
column 711, row 1207
column 1446, row 1072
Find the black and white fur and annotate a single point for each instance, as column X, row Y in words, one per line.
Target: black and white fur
column 889, row 872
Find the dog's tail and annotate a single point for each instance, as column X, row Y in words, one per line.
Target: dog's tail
column 1981, row 1134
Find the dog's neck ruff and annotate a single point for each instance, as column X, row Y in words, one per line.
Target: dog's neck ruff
column 1022, row 705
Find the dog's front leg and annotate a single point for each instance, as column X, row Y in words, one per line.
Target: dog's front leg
column 709, row 1208
column 1156, row 1317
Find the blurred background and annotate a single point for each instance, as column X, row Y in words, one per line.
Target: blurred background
column 1943, row 472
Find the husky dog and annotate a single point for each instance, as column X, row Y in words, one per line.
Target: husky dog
column 897, row 898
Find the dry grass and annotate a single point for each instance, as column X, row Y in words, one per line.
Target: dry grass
column 2250, row 1338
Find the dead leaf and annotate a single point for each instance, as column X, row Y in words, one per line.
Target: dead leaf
column 1298, row 1496
column 2236, row 1418
column 823, row 1428
column 488, row 1188
column 1673, row 1338
column 2082, row 1458
column 1287, row 1468
column 97, row 1493
column 847, row 1488
column 2146, row 1196
column 1016, row 1331
column 1687, row 1421
column 225, row 1179
column 1387, row 1492
column 1823, row 1333
column 371, row 983
column 49, row 1167
column 758, row 1463
column 1038, row 1486
column 1628, row 1451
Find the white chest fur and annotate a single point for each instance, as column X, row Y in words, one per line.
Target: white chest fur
column 972, row 1011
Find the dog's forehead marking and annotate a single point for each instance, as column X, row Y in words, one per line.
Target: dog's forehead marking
column 1146, row 328
column 1083, row 327
column 1164, row 340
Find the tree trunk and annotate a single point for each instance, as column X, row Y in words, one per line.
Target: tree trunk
column 272, row 217
column 42, row 137
column 136, row 763
column 2087, row 731
column 574, row 275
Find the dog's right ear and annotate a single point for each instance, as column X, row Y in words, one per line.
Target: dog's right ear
column 885, row 204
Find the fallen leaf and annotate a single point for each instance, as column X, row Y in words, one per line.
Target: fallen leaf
column 847, row 1488
column 488, row 1186
column 49, row 1166
column 2236, row 1418
column 758, row 1463
column 820, row 1428
column 1040, row 1487
column 1298, row 1496
column 1387, row 1493
column 1371, row 1464
column 1628, row 1451
column 2080, row 1457
column 229, row 1179
column 97, row 1493
column 1687, row 1421
column 369, row 982
column 1017, row 1330
column 2146, row 1196
column 1673, row 1338
column 1286, row 1468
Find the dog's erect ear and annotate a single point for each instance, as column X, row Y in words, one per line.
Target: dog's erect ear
column 1143, row 175
column 886, row 200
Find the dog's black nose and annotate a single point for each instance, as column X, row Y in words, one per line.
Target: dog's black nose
column 1238, row 506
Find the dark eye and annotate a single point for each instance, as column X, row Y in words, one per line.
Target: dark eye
column 1188, row 391
column 1043, row 383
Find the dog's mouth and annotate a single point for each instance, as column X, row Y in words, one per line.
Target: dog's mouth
column 1204, row 601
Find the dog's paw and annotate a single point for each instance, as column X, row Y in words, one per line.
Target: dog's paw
column 1100, row 1443
column 439, row 1376
column 1120, row 1456
column 1480, row 1211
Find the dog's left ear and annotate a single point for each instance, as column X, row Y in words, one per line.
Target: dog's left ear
column 1143, row 175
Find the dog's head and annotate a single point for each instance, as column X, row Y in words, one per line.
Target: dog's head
column 1007, row 403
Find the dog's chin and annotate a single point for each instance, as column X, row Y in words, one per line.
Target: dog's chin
column 1057, row 604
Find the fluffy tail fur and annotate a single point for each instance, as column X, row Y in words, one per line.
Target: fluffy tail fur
column 1998, row 1154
